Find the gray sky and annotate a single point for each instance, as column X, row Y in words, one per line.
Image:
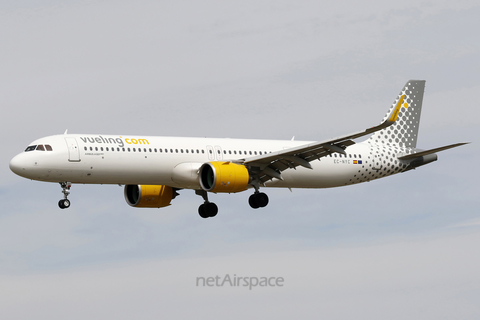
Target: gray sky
column 401, row 247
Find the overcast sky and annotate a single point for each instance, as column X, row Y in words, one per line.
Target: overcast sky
column 401, row 247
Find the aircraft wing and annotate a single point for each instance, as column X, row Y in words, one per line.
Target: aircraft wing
column 268, row 166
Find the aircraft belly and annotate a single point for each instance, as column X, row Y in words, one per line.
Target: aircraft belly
column 325, row 174
column 112, row 170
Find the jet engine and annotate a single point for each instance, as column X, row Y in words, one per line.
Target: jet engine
column 219, row 176
column 146, row 196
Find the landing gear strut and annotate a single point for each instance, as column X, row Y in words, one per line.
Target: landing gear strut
column 258, row 200
column 65, row 203
column 207, row 209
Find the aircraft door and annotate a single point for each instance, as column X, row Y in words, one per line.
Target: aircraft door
column 73, row 151
column 211, row 153
column 218, row 153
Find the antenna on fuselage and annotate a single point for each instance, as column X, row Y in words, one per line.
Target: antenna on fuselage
column 66, row 131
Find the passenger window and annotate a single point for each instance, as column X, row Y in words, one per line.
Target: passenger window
column 96, row 148
column 255, row 152
column 360, row 156
column 40, row 147
column 203, row 151
column 101, row 149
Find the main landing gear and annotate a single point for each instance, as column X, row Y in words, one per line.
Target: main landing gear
column 207, row 209
column 258, row 200
column 65, row 203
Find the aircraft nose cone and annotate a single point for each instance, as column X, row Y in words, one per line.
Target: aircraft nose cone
column 17, row 165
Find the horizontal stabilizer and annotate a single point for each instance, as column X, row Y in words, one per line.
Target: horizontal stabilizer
column 427, row 152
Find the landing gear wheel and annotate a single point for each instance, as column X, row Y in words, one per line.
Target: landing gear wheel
column 258, row 200
column 202, row 211
column 64, row 203
column 212, row 209
column 252, row 201
column 208, row 210
column 262, row 199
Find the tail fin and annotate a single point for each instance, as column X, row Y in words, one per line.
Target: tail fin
column 404, row 132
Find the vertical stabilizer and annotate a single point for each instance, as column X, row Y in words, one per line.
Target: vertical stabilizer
column 404, row 132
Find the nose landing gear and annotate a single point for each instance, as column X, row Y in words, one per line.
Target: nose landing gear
column 65, row 203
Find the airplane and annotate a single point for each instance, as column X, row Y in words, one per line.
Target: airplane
column 154, row 169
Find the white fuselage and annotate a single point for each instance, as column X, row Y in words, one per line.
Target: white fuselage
column 173, row 161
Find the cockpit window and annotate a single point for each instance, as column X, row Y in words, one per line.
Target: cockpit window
column 39, row 147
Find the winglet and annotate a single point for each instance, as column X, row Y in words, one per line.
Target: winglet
column 393, row 117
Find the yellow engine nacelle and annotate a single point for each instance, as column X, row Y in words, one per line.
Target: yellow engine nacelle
column 219, row 176
column 144, row 196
